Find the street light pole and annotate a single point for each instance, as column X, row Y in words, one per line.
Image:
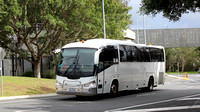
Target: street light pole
column 138, row 31
column 1, row 78
column 144, row 30
column 104, row 26
column 1, row 71
column 144, row 26
column 138, row 37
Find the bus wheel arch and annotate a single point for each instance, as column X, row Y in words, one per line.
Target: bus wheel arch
column 114, row 87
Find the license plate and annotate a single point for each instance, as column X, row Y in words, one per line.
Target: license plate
column 72, row 90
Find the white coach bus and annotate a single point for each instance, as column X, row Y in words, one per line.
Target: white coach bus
column 101, row 66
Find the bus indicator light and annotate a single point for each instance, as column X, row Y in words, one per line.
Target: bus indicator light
column 82, row 41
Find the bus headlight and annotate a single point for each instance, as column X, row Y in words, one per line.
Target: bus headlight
column 90, row 84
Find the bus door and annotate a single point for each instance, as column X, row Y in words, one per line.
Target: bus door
column 100, row 74
column 100, row 80
column 107, row 60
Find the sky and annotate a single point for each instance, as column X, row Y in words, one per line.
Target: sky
column 190, row 20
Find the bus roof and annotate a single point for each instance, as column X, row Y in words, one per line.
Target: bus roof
column 98, row 43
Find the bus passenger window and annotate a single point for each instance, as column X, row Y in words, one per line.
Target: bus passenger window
column 123, row 53
column 135, row 54
column 108, row 57
column 147, row 55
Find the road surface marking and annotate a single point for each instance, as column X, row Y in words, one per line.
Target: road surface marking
column 197, row 98
column 29, row 110
column 134, row 106
column 15, row 101
column 27, row 99
column 162, row 109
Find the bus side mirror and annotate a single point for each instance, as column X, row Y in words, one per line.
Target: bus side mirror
column 56, row 51
column 96, row 57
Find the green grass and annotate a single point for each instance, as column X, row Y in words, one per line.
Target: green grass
column 16, row 86
column 182, row 72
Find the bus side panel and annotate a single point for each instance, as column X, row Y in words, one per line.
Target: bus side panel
column 149, row 70
column 155, row 69
column 100, row 82
column 161, row 79
column 110, row 74
column 130, row 77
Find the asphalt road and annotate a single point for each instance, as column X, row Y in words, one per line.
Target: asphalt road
column 177, row 95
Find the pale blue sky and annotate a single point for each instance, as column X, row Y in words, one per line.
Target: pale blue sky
column 191, row 20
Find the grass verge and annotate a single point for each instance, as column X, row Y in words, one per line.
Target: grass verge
column 16, row 86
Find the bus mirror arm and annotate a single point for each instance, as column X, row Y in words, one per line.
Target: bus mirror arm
column 53, row 53
column 51, row 58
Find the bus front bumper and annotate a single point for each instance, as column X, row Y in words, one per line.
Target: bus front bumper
column 78, row 92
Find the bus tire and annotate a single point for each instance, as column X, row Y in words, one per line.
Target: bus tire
column 150, row 84
column 114, row 89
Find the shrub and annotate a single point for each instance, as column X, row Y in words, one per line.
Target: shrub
column 28, row 74
column 49, row 74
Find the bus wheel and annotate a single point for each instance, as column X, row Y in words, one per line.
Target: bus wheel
column 113, row 89
column 150, row 85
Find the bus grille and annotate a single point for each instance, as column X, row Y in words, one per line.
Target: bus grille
column 72, row 84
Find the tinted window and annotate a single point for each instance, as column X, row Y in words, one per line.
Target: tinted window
column 108, row 57
column 140, row 54
column 161, row 55
column 135, row 54
column 157, row 54
column 147, row 56
column 141, row 51
column 123, row 53
column 154, row 54
column 129, row 54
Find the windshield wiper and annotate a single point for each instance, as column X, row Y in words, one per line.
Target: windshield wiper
column 75, row 63
column 66, row 72
column 75, row 67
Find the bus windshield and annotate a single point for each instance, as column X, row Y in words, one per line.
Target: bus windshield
column 76, row 62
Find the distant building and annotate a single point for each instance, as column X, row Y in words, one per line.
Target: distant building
column 129, row 35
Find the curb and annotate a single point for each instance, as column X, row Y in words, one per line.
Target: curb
column 177, row 77
column 27, row 96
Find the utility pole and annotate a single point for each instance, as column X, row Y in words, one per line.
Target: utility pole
column 138, row 37
column 1, row 71
column 144, row 30
column 104, row 26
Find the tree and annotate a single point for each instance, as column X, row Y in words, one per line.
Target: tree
column 172, row 9
column 185, row 54
column 196, row 56
column 171, row 58
column 180, row 56
column 35, row 27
